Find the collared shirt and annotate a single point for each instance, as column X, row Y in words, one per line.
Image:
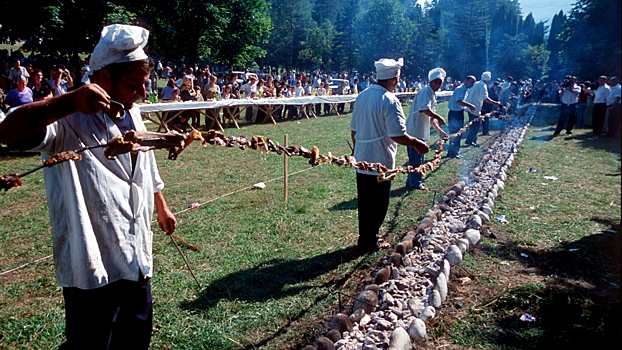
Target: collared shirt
column 458, row 95
column 615, row 92
column 15, row 74
column 476, row 96
column 568, row 97
column 61, row 89
column 377, row 116
column 100, row 209
column 418, row 124
column 601, row 94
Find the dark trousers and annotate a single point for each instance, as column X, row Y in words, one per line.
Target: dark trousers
column 116, row 316
column 473, row 129
column 486, row 124
column 566, row 118
column 373, row 203
column 341, row 108
column 613, row 121
column 414, row 180
column 326, row 108
column 318, row 109
column 455, row 119
column 598, row 117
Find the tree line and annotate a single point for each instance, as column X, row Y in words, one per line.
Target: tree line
column 462, row 36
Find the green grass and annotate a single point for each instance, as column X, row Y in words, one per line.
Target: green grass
column 269, row 268
column 553, row 260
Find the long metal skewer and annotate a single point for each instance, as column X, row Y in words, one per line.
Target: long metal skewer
column 186, row 261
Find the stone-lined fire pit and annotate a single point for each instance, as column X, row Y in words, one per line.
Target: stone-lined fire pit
column 392, row 312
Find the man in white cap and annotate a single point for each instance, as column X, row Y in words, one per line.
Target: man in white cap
column 422, row 115
column 100, row 209
column 476, row 96
column 378, row 125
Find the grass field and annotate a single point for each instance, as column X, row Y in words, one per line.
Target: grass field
column 270, row 269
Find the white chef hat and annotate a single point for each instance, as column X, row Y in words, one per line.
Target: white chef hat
column 119, row 43
column 436, row 73
column 387, row 68
column 486, row 76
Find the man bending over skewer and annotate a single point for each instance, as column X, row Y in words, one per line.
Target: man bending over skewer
column 100, row 209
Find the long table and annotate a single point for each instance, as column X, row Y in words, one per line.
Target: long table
column 166, row 112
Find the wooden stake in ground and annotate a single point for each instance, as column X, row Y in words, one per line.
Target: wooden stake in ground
column 285, row 169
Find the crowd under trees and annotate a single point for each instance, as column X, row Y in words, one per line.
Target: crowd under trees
column 463, row 36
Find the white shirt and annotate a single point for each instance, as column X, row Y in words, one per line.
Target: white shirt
column 418, row 124
column 300, row 91
column 377, row 116
column 100, row 209
column 248, row 89
column 615, row 92
column 601, row 94
column 568, row 97
column 476, row 96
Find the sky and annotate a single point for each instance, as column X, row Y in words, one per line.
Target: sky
column 542, row 10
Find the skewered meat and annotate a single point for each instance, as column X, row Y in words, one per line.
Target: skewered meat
column 62, row 157
column 140, row 141
column 9, row 181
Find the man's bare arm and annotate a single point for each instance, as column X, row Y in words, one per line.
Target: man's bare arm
column 28, row 120
column 407, row 140
column 166, row 219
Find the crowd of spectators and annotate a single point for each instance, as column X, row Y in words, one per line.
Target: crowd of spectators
column 34, row 78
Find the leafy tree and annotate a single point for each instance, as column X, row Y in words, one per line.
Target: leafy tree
column 554, row 45
column 318, row 46
column 292, row 22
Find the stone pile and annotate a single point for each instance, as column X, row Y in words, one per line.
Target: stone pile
column 392, row 312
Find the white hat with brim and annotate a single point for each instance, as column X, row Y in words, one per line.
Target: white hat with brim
column 437, row 73
column 119, row 43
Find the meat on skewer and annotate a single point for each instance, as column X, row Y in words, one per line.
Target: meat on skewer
column 9, row 181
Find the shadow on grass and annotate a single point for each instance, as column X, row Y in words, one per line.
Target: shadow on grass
column 579, row 307
column 276, row 279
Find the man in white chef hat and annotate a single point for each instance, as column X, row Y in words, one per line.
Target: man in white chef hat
column 378, row 125
column 422, row 115
column 477, row 95
column 100, row 209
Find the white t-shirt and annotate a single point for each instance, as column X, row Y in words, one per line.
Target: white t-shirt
column 377, row 116
column 476, row 96
column 601, row 94
column 418, row 124
column 615, row 92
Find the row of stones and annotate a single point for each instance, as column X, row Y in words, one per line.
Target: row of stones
column 391, row 313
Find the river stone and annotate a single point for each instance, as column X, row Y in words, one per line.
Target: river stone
column 475, row 221
column 500, row 184
column 404, row 247
column 323, row 343
column 357, row 315
column 383, row 275
column 485, row 217
column 384, row 325
column 446, row 268
column 400, row 340
column 342, row 323
column 366, row 298
column 454, row 255
column 463, row 244
column 435, row 299
column 373, row 287
column 396, row 259
column 417, row 330
column 441, row 286
column 415, row 306
column 309, row 347
column 333, row 335
column 473, row 236
column 486, row 209
column 428, row 313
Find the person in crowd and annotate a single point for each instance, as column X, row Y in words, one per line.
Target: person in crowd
column 342, row 89
column 584, row 96
column 17, row 72
column 422, row 115
column 365, row 84
column 321, row 91
column 19, row 96
column 507, row 83
column 477, row 95
column 600, row 105
column 180, row 124
column 61, row 80
column 167, row 91
column 248, row 89
column 569, row 95
column 40, row 89
column 506, row 96
column 613, row 107
column 5, row 82
column 455, row 117
column 102, row 235
column 493, row 94
column 378, row 125
column 187, row 93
